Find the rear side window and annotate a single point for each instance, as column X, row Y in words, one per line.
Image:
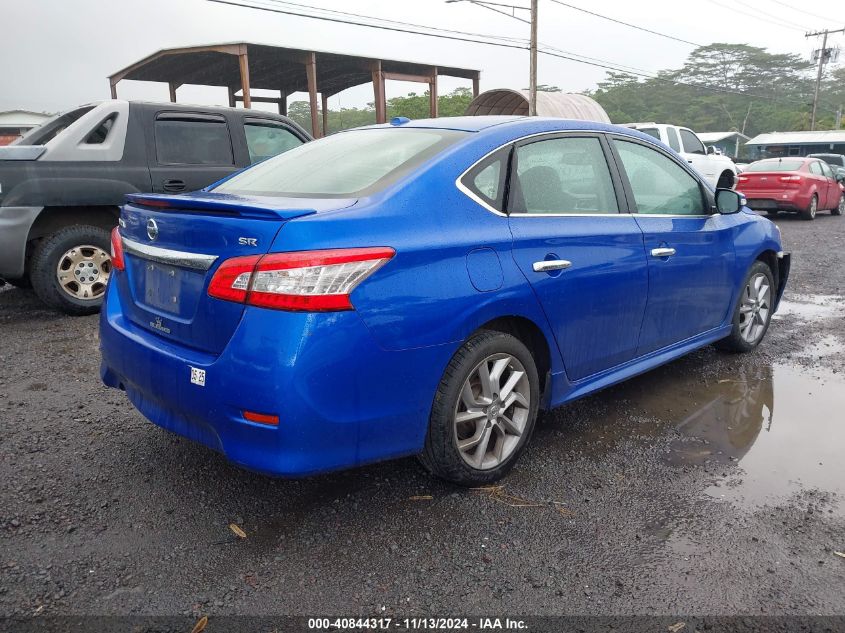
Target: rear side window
column 658, row 183
column 816, row 168
column 265, row 140
column 100, row 133
column 691, row 143
column 348, row 164
column 562, row 175
column 674, row 143
column 185, row 141
column 487, row 179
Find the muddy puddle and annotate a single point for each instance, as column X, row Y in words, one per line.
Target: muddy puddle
column 783, row 426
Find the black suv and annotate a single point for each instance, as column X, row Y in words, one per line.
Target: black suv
column 62, row 184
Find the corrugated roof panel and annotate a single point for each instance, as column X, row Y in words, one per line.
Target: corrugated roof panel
column 553, row 104
column 799, row 138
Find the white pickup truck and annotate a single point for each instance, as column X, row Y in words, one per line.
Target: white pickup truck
column 719, row 170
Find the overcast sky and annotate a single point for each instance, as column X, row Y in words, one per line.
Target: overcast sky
column 56, row 54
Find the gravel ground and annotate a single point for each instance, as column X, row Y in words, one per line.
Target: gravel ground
column 710, row 486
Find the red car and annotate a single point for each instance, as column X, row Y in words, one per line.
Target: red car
column 794, row 183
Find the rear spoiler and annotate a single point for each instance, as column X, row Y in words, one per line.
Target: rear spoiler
column 218, row 204
column 22, row 152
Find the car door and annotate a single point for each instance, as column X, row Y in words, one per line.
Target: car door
column 689, row 248
column 189, row 151
column 832, row 186
column 583, row 258
column 817, row 175
column 696, row 155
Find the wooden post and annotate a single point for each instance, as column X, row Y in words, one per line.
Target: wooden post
column 325, row 100
column 378, row 92
column 475, row 86
column 243, row 62
column 432, row 93
column 172, row 87
column 283, row 103
column 311, row 74
column 113, row 86
column 532, row 71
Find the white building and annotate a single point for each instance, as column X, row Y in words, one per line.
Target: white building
column 15, row 123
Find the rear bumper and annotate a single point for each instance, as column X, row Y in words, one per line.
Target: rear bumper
column 15, row 223
column 777, row 200
column 342, row 401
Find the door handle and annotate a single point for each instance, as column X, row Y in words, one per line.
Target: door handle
column 174, row 185
column 662, row 252
column 550, row 264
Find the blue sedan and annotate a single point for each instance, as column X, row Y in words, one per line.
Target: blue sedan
column 425, row 288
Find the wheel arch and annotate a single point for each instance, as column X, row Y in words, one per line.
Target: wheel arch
column 770, row 258
column 52, row 219
column 532, row 336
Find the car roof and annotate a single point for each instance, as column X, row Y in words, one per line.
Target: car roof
column 487, row 122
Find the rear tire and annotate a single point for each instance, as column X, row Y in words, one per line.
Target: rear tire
column 726, row 180
column 753, row 312
column 484, row 410
column 71, row 267
column 840, row 208
column 810, row 212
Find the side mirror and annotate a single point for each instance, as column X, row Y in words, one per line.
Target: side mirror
column 711, row 149
column 729, row 201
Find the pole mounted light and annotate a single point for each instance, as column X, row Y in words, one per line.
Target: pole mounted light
column 532, row 70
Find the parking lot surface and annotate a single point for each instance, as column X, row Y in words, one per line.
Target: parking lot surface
column 712, row 485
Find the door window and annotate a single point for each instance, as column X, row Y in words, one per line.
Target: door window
column 183, row 141
column 691, row 142
column 816, row 168
column 674, row 143
column 826, row 170
column 562, row 175
column 658, row 183
column 265, row 140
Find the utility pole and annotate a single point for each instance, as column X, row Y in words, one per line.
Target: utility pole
column 822, row 57
column 532, row 71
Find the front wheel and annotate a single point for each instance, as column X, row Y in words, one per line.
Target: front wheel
column 484, row 410
column 810, row 212
column 753, row 312
column 840, row 208
column 71, row 267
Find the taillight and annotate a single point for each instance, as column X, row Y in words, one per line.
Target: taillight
column 311, row 281
column 117, row 260
column 790, row 178
column 742, row 179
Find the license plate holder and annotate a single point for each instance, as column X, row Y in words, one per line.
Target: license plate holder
column 162, row 285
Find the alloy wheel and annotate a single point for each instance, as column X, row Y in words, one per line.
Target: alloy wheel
column 84, row 271
column 492, row 411
column 814, row 203
column 755, row 308
column 842, row 204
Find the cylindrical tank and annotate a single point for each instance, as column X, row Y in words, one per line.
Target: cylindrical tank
column 506, row 101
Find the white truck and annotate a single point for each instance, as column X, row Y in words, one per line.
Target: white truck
column 717, row 169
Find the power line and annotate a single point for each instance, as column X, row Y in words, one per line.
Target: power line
column 801, row 10
column 628, row 24
column 548, row 51
column 756, row 16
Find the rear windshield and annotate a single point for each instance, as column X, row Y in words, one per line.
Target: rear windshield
column 51, row 128
column 348, row 164
column 775, row 165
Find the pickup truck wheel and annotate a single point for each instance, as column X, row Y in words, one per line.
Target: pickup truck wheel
column 810, row 212
column 484, row 410
column 726, row 181
column 71, row 267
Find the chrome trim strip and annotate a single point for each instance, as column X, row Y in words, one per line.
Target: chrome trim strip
column 196, row 261
column 471, row 195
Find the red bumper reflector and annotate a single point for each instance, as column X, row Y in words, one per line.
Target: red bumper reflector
column 261, row 418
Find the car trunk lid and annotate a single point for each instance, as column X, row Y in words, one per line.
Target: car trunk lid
column 174, row 244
